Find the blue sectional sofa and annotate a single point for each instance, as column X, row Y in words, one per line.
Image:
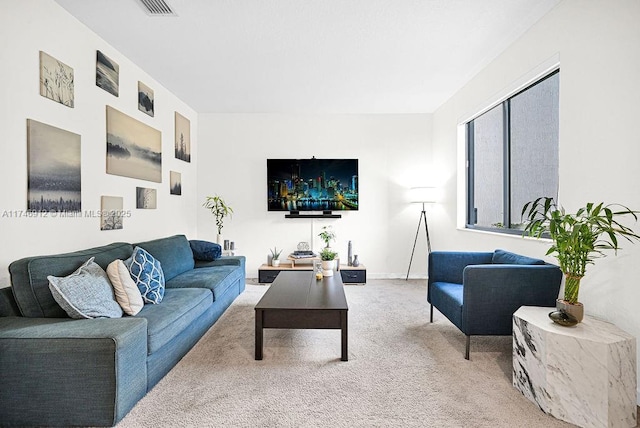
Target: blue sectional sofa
column 57, row 371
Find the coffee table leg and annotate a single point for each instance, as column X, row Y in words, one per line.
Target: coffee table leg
column 259, row 334
column 343, row 328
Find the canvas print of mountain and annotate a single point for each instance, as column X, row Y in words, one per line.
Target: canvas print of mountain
column 145, row 99
column 111, row 213
column 56, row 80
column 107, row 74
column 53, row 163
column 146, row 198
column 183, row 138
column 133, row 148
column 175, row 183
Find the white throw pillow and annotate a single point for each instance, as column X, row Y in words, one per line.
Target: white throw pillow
column 127, row 294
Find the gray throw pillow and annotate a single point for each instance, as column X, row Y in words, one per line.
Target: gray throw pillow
column 86, row 293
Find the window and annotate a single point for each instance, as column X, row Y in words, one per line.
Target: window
column 512, row 156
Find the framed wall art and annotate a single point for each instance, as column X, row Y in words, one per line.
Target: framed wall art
column 146, row 198
column 111, row 212
column 145, row 99
column 56, row 80
column 107, row 73
column 175, row 183
column 183, row 138
column 53, row 169
column 134, row 149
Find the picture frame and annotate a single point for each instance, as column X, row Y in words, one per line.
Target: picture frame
column 56, row 80
column 145, row 99
column 54, row 173
column 134, row 149
column 182, row 138
column 107, row 74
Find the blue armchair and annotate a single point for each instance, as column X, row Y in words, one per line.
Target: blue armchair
column 479, row 291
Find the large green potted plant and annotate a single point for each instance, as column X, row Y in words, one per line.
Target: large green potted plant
column 577, row 238
column 220, row 210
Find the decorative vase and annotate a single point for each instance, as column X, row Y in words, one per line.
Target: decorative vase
column 576, row 310
column 327, row 267
column 275, row 262
column 349, row 254
column 355, row 262
column 219, row 239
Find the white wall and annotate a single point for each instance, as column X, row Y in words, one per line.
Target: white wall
column 27, row 27
column 597, row 42
column 394, row 154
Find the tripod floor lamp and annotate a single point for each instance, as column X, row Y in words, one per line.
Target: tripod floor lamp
column 421, row 195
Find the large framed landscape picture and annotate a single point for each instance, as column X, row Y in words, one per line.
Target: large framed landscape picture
column 56, row 80
column 183, row 138
column 54, row 173
column 107, row 74
column 134, row 149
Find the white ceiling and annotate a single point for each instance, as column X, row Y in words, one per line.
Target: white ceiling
column 312, row 56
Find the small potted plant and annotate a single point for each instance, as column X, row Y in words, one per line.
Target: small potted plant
column 328, row 258
column 220, row 210
column 577, row 239
column 327, row 235
column 275, row 256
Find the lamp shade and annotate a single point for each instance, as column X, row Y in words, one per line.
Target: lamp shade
column 423, row 195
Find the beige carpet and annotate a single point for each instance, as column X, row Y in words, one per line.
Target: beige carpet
column 402, row 372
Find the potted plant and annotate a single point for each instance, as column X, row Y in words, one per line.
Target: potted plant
column 577, row 239
column 220, row 210
column 328, row 257
column 275, row 256
column 327, row 235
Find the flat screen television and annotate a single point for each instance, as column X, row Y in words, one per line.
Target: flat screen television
column 312, row 184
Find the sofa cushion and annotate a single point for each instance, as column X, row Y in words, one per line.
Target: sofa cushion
column 31, row 286
column 174, row 252
column 178, row 310
column 507, row 258
column 447, row 297
column 218, row 279
column 127, row 293
column 86, row 293
column 147, row 273
column 205, row 250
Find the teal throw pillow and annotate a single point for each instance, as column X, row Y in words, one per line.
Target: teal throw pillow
column 86, row 293
column 147, row 273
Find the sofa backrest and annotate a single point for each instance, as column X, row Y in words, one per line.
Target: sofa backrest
column 173, row 252
column 8, row 307
column 31, row 286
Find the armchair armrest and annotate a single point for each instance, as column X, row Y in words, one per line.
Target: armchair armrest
column 57, row 371
column 448, row 266
column 492, row 293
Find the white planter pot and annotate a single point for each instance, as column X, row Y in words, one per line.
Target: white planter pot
column 275, row 263
column 328, row 266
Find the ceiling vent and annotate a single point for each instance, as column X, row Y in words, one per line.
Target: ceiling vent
column 157, row 8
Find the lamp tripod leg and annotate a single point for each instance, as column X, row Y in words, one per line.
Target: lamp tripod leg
column 414, row 244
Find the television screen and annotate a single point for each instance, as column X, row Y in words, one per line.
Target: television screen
column 312, row 184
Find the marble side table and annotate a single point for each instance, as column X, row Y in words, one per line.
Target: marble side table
column 585, row 375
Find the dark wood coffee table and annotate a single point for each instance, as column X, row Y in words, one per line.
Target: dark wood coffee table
column 296, row 300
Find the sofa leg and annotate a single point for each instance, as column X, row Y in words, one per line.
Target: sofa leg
column 431, row 313
column 466, row 351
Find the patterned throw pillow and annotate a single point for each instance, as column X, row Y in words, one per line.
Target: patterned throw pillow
column 127, row 293
column 86, row 293
column 147, row 274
